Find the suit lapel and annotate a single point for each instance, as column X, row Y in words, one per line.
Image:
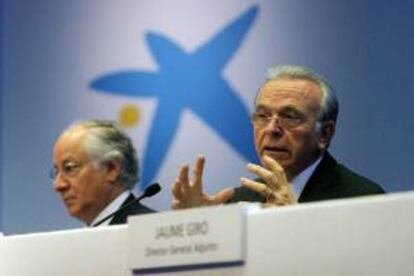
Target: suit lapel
column 320, row 181
column 121, row 217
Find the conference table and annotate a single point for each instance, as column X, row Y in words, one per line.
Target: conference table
column 360, row 236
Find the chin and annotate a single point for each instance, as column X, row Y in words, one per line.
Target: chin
column 74, row 212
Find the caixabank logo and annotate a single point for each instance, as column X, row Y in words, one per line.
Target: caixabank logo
column 188, row 80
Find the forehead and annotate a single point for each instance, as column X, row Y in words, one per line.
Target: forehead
column 286, row 91
column 70, row 146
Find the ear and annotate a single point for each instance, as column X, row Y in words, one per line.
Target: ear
column 326, row 133
column 114, row 168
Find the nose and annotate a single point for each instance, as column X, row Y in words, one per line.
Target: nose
column 274, row 127
column 60, row 183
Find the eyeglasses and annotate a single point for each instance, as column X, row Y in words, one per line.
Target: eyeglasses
column 287, row 120
column 68, row 169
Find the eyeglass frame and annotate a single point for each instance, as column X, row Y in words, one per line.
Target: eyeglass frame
column 67, row 173
column 286, row 119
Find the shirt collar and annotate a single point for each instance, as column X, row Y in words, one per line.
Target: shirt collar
column 111, row 207
column 299, row 182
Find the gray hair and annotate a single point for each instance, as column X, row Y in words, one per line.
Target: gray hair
column 106, row 141
column 329, row 103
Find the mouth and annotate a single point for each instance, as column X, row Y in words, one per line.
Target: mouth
column 68, row 199
column 276, row 152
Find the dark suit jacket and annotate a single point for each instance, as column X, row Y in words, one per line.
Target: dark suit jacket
column 134, row 209
column 330, row 180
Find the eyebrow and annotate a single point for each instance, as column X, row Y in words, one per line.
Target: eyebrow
column 65, row 161
column 261, row 107
column 287, row 108
column 291, row 108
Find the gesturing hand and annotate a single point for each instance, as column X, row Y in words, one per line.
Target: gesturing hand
column 187, row 194
column 276, row 189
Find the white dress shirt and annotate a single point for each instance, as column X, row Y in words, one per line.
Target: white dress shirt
column 299, row 182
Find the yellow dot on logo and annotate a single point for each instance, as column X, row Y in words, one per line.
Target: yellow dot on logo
column 128, row 115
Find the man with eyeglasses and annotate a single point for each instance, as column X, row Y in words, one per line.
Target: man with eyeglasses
column 95, row 167
column 294, row 120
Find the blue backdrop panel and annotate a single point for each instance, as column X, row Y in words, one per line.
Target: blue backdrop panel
column 185, row 73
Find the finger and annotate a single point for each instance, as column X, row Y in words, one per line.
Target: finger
column 279, row 175
column 176, row 190
column 197, row 179
column 257, row 187
column 273, row 197
column 282, row 198
column 176, row 204
column 263, row 173
column 182, row 180
column 289, row 195
column 272, row 164
column 222, row 196
column 180, row 186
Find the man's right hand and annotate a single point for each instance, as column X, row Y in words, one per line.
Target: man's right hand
column 276, row 189
column 187, row 194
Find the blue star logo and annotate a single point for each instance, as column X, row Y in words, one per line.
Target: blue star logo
column 189, row 80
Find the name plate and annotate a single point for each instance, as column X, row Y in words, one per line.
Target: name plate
column 185, row 239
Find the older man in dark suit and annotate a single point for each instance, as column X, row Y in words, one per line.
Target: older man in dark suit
column 95, row 169
column 294, row 120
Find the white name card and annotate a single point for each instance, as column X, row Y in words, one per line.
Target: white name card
column 186, row 239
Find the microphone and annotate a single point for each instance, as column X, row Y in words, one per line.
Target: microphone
column 150, row 191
